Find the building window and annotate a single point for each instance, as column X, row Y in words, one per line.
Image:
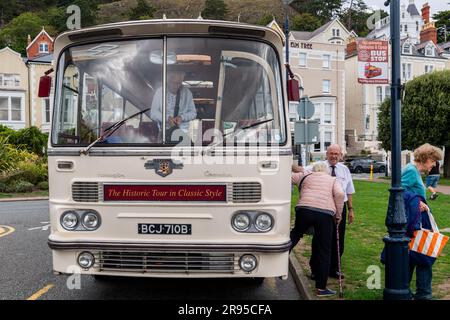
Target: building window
column 326, row 62
column 387, row 92
column 46, row 104
column 379, row 95
column 302, row 59
column 316, row 115
column 9, row 80
column 327, row 139
column 429, row 68
column 403, row 15
column 336, row 32
column 16, row 110
column 406, row 71
column 429, row 51
column 326, row 85
column 367, row 122
column 317, row 147
column 401, row 28
column 407, row 49
column 406, row 28
column 417, row 25
column 4, row 109
column 43, row 47
column 11, row 108
column 328, row 113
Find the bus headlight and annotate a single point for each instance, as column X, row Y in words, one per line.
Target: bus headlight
column 263, row 222
column 90, row 220
column 86, row 260
column 248, row 262
column 241, row 222
column 69, row 220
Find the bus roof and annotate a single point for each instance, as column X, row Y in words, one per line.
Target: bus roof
column 128, row 29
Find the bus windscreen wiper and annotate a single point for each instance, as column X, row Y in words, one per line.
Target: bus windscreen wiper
column 110, row 130
column 235, row 133
column 246, row 127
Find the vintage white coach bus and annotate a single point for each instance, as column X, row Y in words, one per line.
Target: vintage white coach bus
column 170, row 151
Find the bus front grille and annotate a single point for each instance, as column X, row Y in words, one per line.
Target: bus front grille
column 87, row 191
column 245, row 192
column 166, row 262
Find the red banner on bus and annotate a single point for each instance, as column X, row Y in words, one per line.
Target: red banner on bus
column 114, row 192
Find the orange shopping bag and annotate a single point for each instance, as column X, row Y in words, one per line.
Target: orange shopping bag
column 428, row 242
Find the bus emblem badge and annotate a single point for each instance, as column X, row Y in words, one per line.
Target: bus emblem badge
column 163, row 167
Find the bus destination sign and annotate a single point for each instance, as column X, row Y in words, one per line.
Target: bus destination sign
column 164, row 192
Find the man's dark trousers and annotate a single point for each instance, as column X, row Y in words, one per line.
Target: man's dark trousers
column 334, row 267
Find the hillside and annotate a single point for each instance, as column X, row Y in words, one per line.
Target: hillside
column 249, row 11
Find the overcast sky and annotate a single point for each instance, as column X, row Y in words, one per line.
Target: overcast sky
column 436, row 5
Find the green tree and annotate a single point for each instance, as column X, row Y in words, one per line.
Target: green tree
column 304, row 22
column 425, row 115
column 15, row 33
column 215, row 9
column 142, row 11
column 442, row 19
column 325, row 10
column 56, row 17
column 265, row 19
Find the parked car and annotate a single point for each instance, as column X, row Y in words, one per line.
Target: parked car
column 363, row 165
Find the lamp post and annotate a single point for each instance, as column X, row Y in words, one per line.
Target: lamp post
column 396, row 243
column 286, row 31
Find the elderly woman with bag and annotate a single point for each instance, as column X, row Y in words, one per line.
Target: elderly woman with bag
column 416, row 208
column 320, row 206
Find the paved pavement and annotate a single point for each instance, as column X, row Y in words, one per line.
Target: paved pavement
column 26, row 271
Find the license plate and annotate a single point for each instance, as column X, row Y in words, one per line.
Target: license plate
column 157, row 228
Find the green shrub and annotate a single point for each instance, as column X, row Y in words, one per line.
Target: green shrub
column 43, row 185
column 11, row 155
column 31, row 172
column 32, row 139
column 3, row 187
column 19, row 186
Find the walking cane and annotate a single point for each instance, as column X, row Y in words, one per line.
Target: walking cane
column 341, row 293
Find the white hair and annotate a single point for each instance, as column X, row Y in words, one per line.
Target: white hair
column 320, row 167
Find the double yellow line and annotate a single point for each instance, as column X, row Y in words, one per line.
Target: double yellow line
column 5, row 230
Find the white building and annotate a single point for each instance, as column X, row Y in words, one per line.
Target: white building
column 411, row 23
column 364, row 100
column 317, row 60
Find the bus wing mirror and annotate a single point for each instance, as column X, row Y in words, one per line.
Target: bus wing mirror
column 45, row 84
column 293, row 90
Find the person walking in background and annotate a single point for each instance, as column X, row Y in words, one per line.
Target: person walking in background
column 320, row 205
column 425, row 158
column 432, row 181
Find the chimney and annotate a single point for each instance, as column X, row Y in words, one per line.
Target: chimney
column 352, row 46
column 428, row 33
column 28, row 40
column 426, row 13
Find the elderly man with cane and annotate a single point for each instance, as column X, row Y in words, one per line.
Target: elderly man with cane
column 342, row 173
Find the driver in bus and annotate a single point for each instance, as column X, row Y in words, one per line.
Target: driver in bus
column 180, row 104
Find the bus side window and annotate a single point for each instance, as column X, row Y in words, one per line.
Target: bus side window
column 67, row 130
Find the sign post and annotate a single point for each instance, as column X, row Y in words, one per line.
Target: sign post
column 306, row 131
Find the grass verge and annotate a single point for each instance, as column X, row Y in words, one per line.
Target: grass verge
column 364, row 243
